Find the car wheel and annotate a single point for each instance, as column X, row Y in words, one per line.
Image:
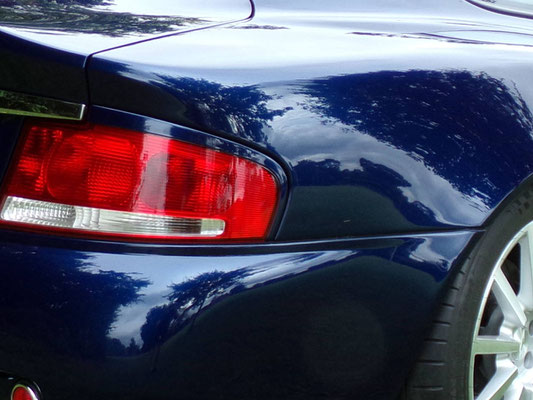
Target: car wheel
column 481, row 342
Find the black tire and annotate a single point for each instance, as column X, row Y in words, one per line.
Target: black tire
column 442, row 369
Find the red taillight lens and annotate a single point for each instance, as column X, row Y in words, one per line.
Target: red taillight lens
column 21, row 392
column 109, row 181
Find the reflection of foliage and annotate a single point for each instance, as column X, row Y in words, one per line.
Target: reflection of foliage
column 71, row 306
column 191, row 296
column 51, row 3
column 16, row 102
column 185, row 301
column 375, row 177
column 77, row 16
column 240, row 110
column 115, row 348
column 441, row 118
column 328, row 172
column 35, row 105
column 252, row 26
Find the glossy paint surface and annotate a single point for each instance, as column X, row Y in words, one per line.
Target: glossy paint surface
column 520, row 8
column 85, row 27
column 389, row 119
column 96, row 320
column 34, row 69
column 44, row 45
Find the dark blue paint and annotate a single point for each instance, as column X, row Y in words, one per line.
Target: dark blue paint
column 10, row 126
column 36, row 69
column 44, row 45
column 380, row 136
column 444, row 147
column 385, row 119
column 514, row 8
column 283, row 324
column 88, row 26
column 103, row 116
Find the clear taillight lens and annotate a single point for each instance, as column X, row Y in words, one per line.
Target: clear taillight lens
column 113, row 182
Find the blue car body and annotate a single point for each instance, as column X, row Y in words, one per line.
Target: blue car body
column 396, row 130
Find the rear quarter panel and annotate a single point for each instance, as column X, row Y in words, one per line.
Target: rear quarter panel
column 387, row 119
column 395, row 123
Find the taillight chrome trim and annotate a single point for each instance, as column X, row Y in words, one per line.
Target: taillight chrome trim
column 14, row 103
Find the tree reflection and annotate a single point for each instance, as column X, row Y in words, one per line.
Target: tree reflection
column 374, row 176
column 68, row 305
column 378, row 178
column 241, row 110
column 185, row 301
column 77, row 16
column 456, row 122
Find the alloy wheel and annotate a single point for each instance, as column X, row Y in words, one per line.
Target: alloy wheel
column 501, row 360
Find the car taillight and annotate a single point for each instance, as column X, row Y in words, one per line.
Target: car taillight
column 112, row 182
column 23, row 392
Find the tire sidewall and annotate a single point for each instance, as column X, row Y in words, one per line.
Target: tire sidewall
column 478, row 270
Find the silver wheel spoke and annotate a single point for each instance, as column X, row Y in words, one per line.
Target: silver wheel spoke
column 508, row 300
column 505, row 319
column 526, row 269
column 516, row 392
column 498, row 384
column 495, row 345
column 527, row 393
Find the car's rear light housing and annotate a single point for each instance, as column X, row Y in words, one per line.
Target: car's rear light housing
column 23, row 392
column 95, row 180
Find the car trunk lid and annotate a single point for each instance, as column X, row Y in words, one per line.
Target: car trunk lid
column 44, row 45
